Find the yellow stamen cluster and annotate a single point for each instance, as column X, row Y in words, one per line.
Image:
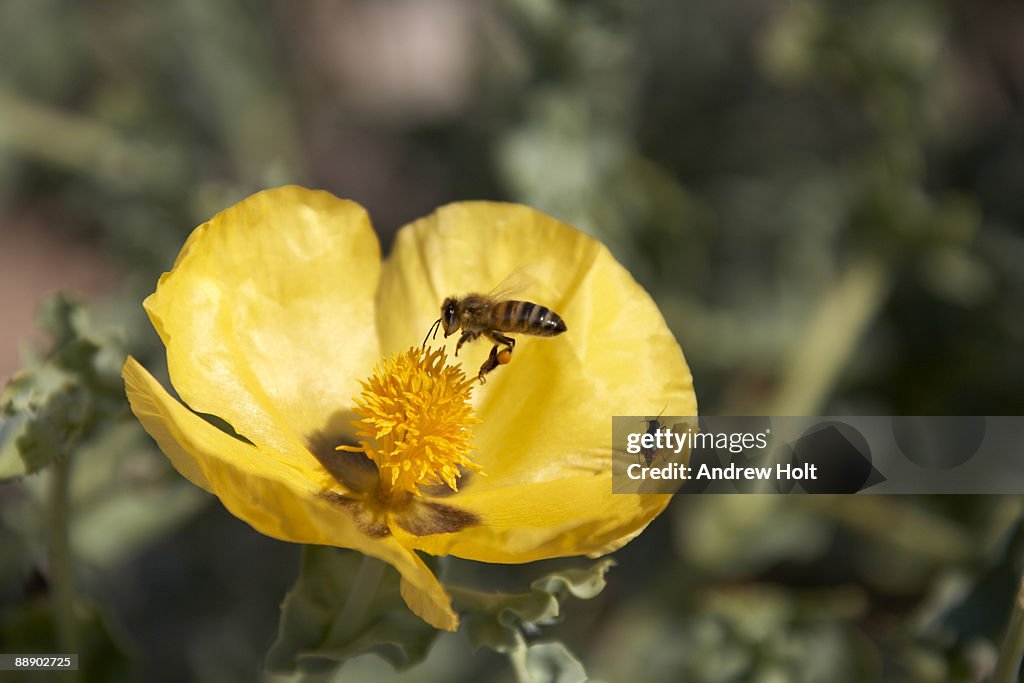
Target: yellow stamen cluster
column 415, row 422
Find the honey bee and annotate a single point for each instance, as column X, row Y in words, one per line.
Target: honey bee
column 653, row 426
column 485, row 315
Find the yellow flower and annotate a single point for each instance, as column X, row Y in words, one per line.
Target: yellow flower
column 280, row 318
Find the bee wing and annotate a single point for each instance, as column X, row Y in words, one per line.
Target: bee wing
column 514, row 285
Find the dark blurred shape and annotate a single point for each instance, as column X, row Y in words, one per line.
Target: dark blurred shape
column 842, row 457
column 939, row 443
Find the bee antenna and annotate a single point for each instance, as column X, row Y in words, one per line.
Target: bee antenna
column 433, row 329
column 645, row 420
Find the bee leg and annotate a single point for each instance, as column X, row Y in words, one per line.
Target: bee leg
column 499, row 338
column 502, row 356
column 466, row 336
column 493, row 361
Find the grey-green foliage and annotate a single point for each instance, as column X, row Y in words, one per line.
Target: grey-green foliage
column 58, row 400
column 502, row 621
column 317, row 633
column 344, row 605
column 744, row 632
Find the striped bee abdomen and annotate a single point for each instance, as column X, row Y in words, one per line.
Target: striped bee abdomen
column 526, row 317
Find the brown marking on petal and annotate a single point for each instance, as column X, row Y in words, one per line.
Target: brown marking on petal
column 354, row 471
column 423, row 518
column 442, row 490
column 365, row 520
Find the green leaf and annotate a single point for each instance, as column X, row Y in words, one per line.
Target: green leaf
column 56, row 422
column 552, row 662
column 345, row 604
column 11, row 464
column 500, row 620
column 57, row 401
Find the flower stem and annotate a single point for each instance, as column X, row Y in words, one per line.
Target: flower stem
column 1008, row 665
column 62, row 571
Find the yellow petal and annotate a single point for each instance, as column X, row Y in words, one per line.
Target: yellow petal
column 268, row 314
column 545, row 439
column 276, row 499
column 558, row 518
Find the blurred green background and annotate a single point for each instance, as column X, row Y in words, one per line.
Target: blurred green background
column 826, row 199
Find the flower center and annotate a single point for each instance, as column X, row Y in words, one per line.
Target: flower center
column 415, row 417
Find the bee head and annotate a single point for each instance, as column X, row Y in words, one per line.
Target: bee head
column 450, row 315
